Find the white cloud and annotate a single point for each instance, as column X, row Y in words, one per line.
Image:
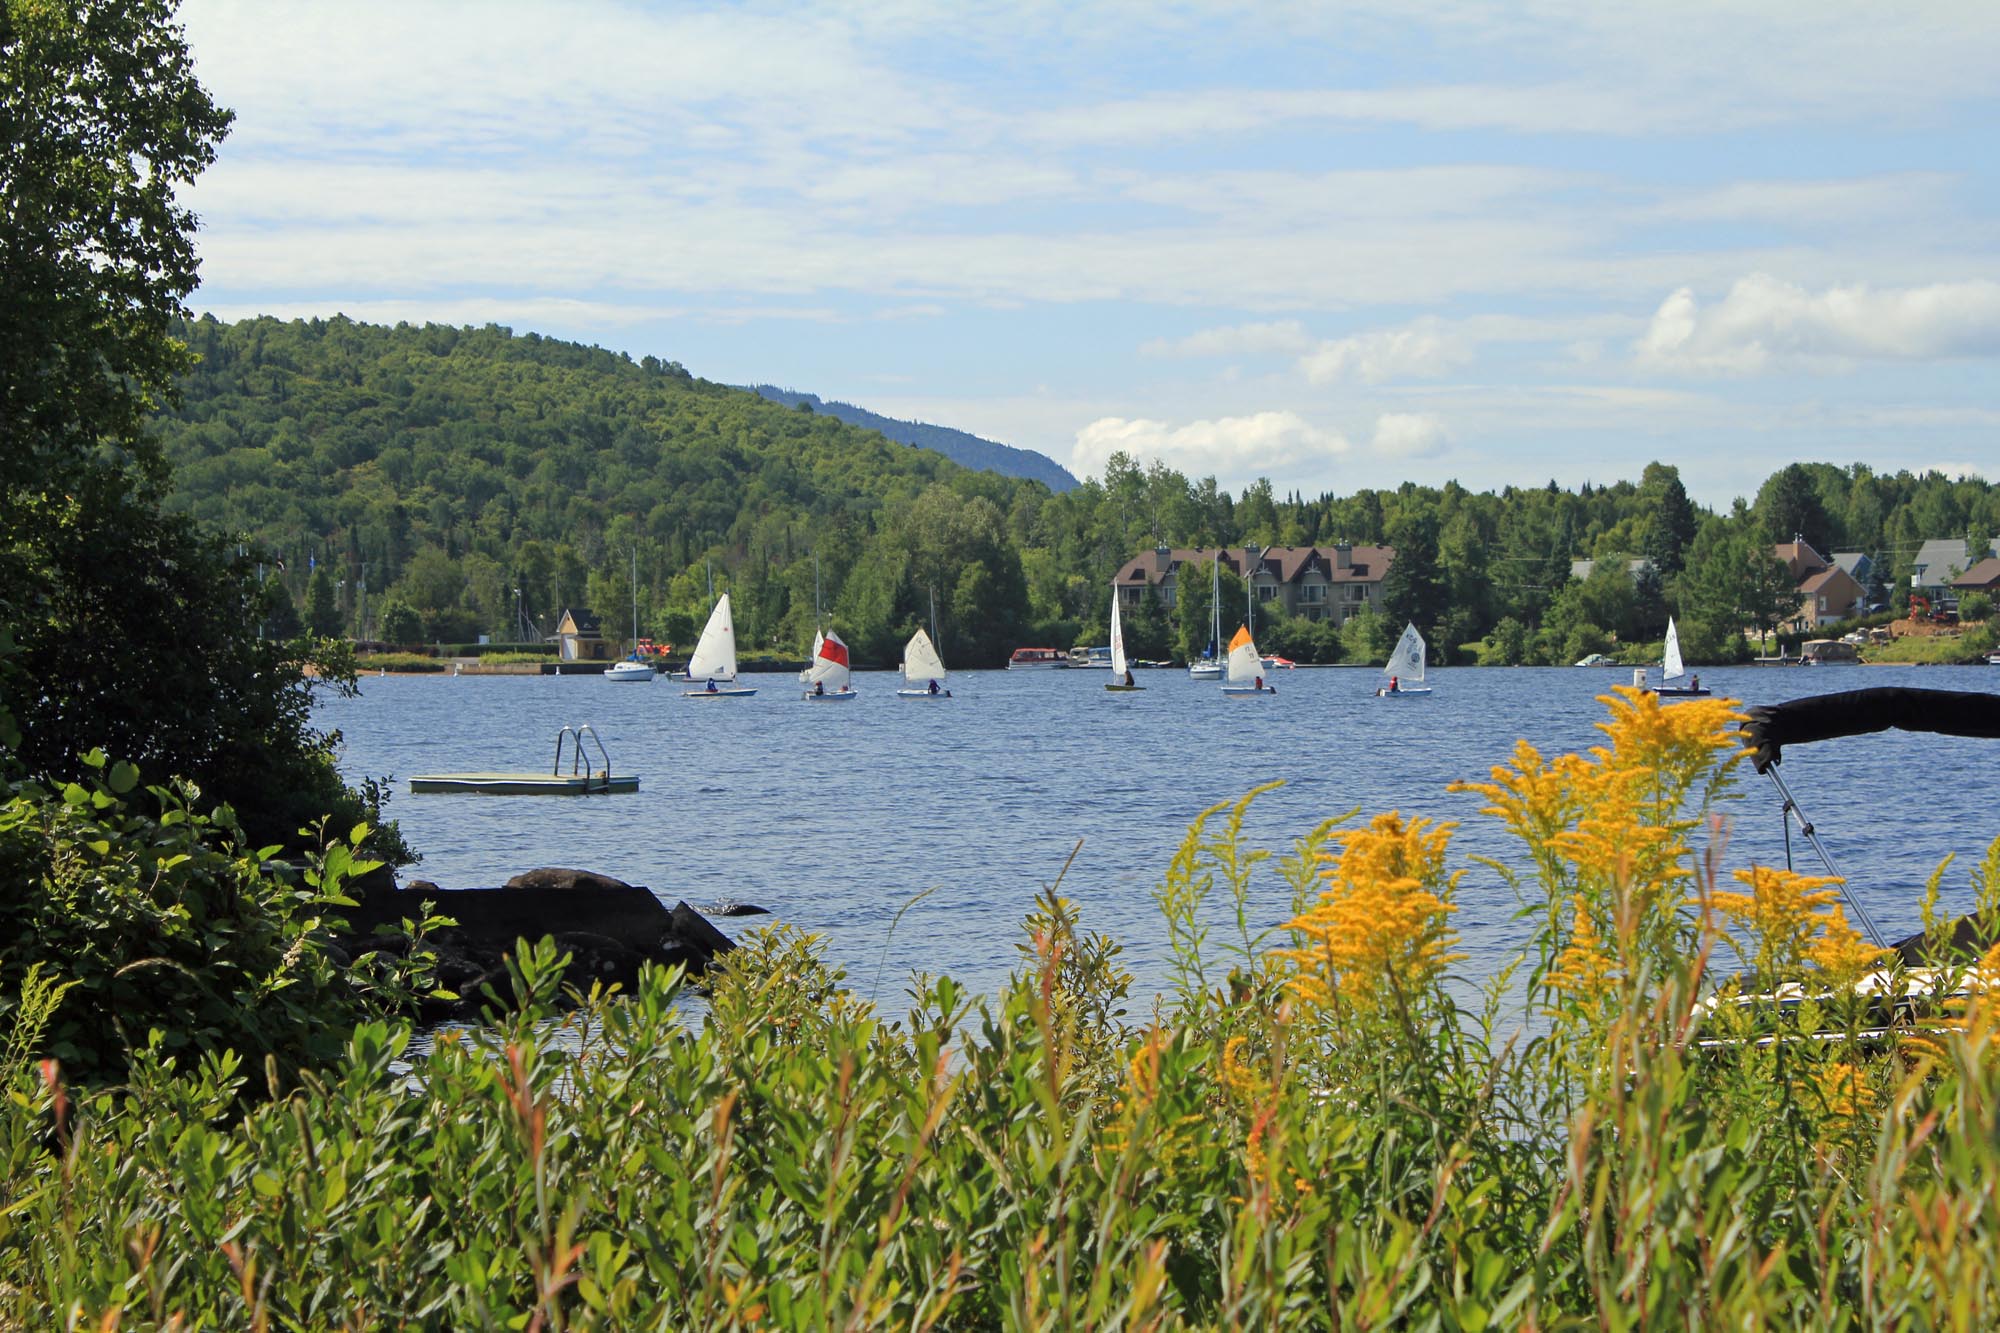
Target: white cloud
column 1410, row 435
column 1423, row 349
column 1285, row 337
column 1764, row 322
column 1235, row 450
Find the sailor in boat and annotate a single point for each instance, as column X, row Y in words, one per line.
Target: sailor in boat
column 1694, row 682
column 711, row 686
column 1128, row 678
column 934, row 687
column 819, row 687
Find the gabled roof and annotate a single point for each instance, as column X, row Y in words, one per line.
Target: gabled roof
column 1366, row 564
column 580, row 623
column 1800, row 557
column 1936, row 559
column 1985, row 574
column 1856, row 563
column 1813, row 583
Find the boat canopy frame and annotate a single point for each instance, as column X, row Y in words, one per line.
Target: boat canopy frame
column 1769, row 728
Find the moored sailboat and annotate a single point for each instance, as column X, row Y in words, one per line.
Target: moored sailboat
column 632, row 667
column 1210, row 665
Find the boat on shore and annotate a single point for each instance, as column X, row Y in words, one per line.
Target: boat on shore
column 1038, row 659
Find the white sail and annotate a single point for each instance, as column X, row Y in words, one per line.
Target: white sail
column 1673, row 665
column 715, row 653
column 1245, row 666
column 1407, row 662
column 805, row 677
column 1117, row 641
column 829, row 667
column 921, row 663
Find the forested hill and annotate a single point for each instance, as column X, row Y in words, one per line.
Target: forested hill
column 964, row 449
column 489, row 461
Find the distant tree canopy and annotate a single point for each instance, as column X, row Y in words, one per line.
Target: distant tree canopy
column 485, row 481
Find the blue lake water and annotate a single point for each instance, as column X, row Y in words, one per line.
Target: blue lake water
column 835, row 816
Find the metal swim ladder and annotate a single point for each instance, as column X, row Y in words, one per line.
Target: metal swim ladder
column 600, row 780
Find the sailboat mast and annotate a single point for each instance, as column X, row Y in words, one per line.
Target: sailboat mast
column 819, row 617
column 635, row 599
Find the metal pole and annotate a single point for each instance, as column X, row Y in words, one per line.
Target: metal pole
column 1806, row 827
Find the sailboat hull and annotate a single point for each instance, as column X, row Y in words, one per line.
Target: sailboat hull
column 720, row 692
column 1125, row 689
column 922, row 694
column 1404, row 692
column 629, row 671
column 1205, row 671
column 1248, row 691
column 1680, row 692
column 830, row 697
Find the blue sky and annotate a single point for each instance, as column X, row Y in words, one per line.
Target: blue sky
column 1336, row 245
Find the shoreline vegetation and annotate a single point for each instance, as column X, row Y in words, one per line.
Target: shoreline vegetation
column 1309, row 1129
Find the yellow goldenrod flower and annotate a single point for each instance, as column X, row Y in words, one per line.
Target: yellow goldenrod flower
column 1383, row 923
column 1778, row 916
column 1841, row 953
column 1585, row 968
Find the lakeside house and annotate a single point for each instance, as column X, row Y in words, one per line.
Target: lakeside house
column 1827, row 592
column 1331, row 583
column 1982, row 577
column 579, row 639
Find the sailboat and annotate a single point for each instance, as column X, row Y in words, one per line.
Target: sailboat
column 632, row 668
column 1246, row 668
column 829, row 674
column 923, row 669
column 1672, row 670
column 1210, row 666
column 1405, row 669
column 714, row 660
column 1121, row 672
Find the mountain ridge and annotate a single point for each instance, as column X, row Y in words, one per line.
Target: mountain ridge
column 961, row 447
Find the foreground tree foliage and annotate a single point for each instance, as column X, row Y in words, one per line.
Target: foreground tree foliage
column 123, row 627
column 1311, row 1130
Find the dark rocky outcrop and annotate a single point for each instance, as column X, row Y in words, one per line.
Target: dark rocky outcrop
column 609, row 928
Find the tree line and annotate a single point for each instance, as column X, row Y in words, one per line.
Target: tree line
column 435, row 484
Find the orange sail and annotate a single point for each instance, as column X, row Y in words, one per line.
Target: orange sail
column 1242, row 637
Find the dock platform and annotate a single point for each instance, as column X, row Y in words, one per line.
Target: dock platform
column 526, row 784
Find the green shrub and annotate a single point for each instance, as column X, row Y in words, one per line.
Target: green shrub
column 1321, row 1133
column 167, row 931
column 420, row 662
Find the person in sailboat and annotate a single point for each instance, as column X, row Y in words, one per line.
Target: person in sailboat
column 711, row 685
column 1694, row 681
column 819, row 687
column 1395, row 685
column 1128, row 679
column 934, row 687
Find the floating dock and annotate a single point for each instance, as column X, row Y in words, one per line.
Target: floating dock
column 581, row 780
column 527, row 784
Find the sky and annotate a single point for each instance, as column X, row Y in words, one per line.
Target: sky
column 1335, row 245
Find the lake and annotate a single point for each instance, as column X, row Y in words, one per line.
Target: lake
column 836, row 816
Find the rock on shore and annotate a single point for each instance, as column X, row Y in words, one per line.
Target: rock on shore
column 609, row 928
